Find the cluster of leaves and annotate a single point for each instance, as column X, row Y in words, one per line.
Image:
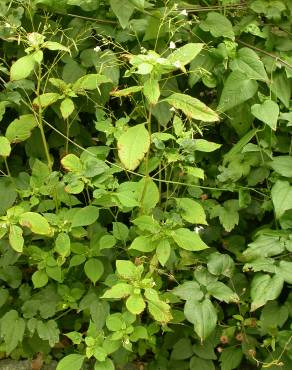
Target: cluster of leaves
column 145, row 183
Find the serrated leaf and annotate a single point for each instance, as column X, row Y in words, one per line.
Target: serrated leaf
column 11, row 330
column 123, row 9
column 285, row 271
column 48, row 331
column 160, row 311
column 191, row 211
column 5, row 147
column 218, row 25
column 203, row 315
column 35, row 222
column 20, row 129
column 127, row 270
column 133, row 145
column 85, row 216
column 220, row 264
column 188, row 240
column 94, row 269
column 72, row 362
column 283, row 165
column 118, row 291
column 22, row 68
column 237, row 89
column 72, row 163
column 222, row 292
column 268, row 112
column 192, row 107
column 135, row 304
column 188, row 290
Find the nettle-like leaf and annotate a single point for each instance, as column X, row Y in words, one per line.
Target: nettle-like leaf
column 218, row 25
column 265, row 288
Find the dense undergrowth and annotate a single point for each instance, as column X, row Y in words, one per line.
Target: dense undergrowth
column 145, row 196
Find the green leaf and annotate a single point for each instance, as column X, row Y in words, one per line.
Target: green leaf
column 151, row 90
column 52, row 45
column 281, row 197
column 85, row 216
column 62, row 245
column 188, row 240
column 128, row 91
column 127, row 270
column 237, row 89
column 205, row 146
column 48, row 331
column 20, row 129
column 104, row 365
column 72, row 362
column 228, row 214
column 15, row 238
column 133, row 145
column 147, row 194
column 283, row 165
column 222, row 292
column 120, row 231
column 93, row 269
column 159, row 310
column 67, row 108
column 46, row 100
column 285, row 271
column 185, row 54
column 190, row 290
column 5, row 148
column 182, row 349
column 231, row 358
column 143, row 244
column 35, row 222
column 22, row 68
column 123, row 9
column 72, row 163
column 11, row 330
column 192, row 107
column 220, row 264
column 264, row 246
column 268, row 112
column 202, row 364
column 281, row 87
column 218, row 25
column 265, row 288
column 135, row 304
column 203, row 315
column 39, row 279
column 163, row 251
column 249, row 63
column 90, row 82
column 191, row 211
column 118, row 291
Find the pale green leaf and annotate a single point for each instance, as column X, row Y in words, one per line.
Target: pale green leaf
column 133, row 145
column 118, row 291
column 15, row 238
column 222, row 292
column 151, row 90
column 281, row 197
column 35, row 222
column 67, row 107
column 128, row 270
column 53, row 45
column 163, row 251
column 39, row 279
column 128, row 91
column 135, row 304
column 267, row 112
column 285, row 271
column 123, row 9
column 143, row 244
column 11, row 330
column 85, row 216
column 192, row 107
column 22, row 68
column 46, row 100
column 5, row 148
column 147, row 194
column 205, row 146
column 90, row 82
column 188, row 290
column 72, row 163
column 220, row 264
column 191, row 211
column 72, row 362
column 20, row 129
column 62, row 245
column 188, row 240
column 93, row 269
column 218, row 25
column 283, row 165
column 185, row 54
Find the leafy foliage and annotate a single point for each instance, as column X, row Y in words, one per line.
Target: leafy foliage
column 145, row 183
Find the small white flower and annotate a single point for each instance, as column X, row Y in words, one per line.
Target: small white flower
column 175, row 6
column 143, row 50
column 172, row 45
column 97, row 49
column 177, row 64
column 7, row 25
column 184, row 12
column 197, row 229
column 172, row 109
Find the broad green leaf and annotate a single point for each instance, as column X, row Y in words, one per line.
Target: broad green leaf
column 72, row 163
column 52, row 45
column 72, row 362
column 123, row 9
column 151, row 90
column 11, row 330
column 249, row 63
column 46, row 100
column 93, row 269
column 231, row 358
column 222, row 292
column 159, row 310
column 127, row 270
column 5, row 148
column 185, row 54
column 104, row 365
column 188, row 290
column 67, row 108
column 146, row 223
column 218, row 25
column 133, row 145
column 220, row 264
column 120, row 231
column 261, row 264
column 135, row 304
column 281, row 87
column 35, row 222
column 268, row 112
column 237, row 89
column 264, row 246
column 281, row 197
column 191, row 211
column 188, row 240
column 147, row 194
column 15, row 238
column 228, row 214
column 39, row 279
column 285, row 271
column 143, row 244
column 205, row 146
column 128, row 91
column 62, row 245
column 182, row 349
column 163, row 251
column 202, row 364
column 20, row 129
column 283, row 165
column 48, row 330
column 8, row 194
column 192, row 107
column 22, row 68
column 265, row 288
column 203, row 315
column 118, row 291
column 89, row 82
column 85, row 216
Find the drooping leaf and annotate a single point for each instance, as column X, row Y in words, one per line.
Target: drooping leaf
column 35, row 222
column 22, row 68
column 205, row 146
column 67, row 107
column 192, row 107
column 90, row 82
column 133, row 145
column 20, row 129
